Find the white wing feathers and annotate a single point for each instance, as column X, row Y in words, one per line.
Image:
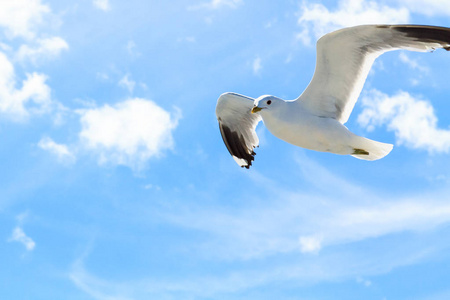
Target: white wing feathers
column 237, row 126
column 344, row 59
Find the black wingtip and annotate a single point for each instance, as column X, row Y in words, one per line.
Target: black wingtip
column 236, row 145
column 425, row 33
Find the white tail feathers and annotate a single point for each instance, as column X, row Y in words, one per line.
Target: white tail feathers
column 375, row 150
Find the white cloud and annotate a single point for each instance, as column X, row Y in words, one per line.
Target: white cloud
column 256, row 65
column 127, row 83
column 21, row 17
column 102, row 4
column 216, row 4
column 33, row 97
column 412, row 120
column 18, row 235
column 46, row 48
column 317, row 19
column 61, row 151
column 128, row 133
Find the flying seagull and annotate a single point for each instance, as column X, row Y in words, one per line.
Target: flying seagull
column 315, row 120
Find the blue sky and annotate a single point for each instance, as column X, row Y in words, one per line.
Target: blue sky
column 115, row 183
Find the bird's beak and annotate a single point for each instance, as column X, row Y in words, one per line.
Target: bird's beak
column 256, row 109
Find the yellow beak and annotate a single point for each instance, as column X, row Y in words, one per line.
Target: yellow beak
column 256, row 109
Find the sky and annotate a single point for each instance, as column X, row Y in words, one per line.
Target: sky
column 115, row 183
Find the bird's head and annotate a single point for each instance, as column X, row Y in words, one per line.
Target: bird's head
column 266, row 103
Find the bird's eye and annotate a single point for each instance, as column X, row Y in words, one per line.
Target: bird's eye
column 269, row 102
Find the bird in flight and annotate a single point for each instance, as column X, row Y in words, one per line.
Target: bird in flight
column 315, row 120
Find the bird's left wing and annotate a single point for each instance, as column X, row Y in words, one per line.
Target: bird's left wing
column 237, row 126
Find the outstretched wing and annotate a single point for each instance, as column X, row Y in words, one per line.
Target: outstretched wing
column 237, row 126
column 344, row 59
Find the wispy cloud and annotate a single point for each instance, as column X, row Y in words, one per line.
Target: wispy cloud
column 188, row 39
column 60, row 150
column 256, row 65
column 18, row 235
column 127, row 83
column 45, row 49
column 304, row 36
column 97, row 288
column 102, row 4
column 304, row 223
column 297, row 234
column 420, row 70
column 317, row 19
column 216, row 4
column 298, row 222
column 128, row 133
column 132, row 49
column 310, row 244
column 363, row 281
column 428, row 7
column 330, row 228
column 413, row 120
column 412, row 63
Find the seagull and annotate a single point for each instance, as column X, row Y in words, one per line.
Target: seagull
column 315, row 120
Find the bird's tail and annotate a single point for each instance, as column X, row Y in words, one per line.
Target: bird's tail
column 371, row 150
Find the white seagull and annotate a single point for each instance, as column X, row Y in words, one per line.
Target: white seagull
column 315, row 120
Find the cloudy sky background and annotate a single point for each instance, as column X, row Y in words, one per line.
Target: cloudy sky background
column 115, row 183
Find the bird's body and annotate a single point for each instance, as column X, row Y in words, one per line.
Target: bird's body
column 296, row 125
column 315, row 120
column 291, row 122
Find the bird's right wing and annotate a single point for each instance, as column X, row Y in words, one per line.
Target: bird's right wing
column 344, row 59
column 237, row 125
